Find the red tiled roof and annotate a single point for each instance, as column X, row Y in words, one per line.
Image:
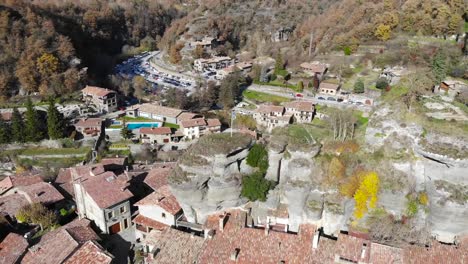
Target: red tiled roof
column 18, row 181
column 254, row 246
column 113, row 161
column 266, row 109
column 301, row 106
column 97, row 91
column 352, row 248
column 42, row 192
column 213, row 122
column 11, row 204
column 52, row 249
column 12, row 248
column 331, row 86
column 437, row 253
column 106, row 190
column 157, row 177
column 148, row 222
column 90, row 253
column 155, row 130
column 186, row 116
column 382, row 254
column 89, row 122
column 57, row 245
column 314, row 67
column 175, row 246
column 162, row 198
column 193, row 122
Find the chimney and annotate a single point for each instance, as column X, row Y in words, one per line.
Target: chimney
column 221, row 222
column 315, row 240
column 235, row 254
column 267, row 228
column 126, row 174
column 207, row 233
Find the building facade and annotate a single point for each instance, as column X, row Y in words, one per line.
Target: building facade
column 104, row 99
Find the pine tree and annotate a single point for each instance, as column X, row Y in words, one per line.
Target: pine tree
column 55, row 123
column 17, row 126
column 359, row 86
column 125, row 132
column 32, row 124
column 279, row 65
column 439, row 67
column 4, row 131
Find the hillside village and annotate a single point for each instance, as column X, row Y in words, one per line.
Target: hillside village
column 207, row 148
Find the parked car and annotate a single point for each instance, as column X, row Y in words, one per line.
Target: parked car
column 320, row 98
column 299, row 95
column 331, row 99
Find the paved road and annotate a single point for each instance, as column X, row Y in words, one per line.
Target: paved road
column 291, row 94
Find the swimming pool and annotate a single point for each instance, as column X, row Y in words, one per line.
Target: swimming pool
column 140, row 125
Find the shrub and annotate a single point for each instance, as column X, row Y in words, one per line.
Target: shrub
column 411, row 208
column 366, row 194
column 255, row 187
column 258, row 157
column 381, row 83
column 359, row 86
column 423, row 199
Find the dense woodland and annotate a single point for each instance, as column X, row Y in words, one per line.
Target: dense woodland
column 52, row 47
column 55, row 47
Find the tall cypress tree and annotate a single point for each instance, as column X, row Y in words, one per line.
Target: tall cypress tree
column 17, row 126
column 55, row 123
column 33, row 125
column 4, row 132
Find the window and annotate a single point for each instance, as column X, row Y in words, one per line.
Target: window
column 122, row 209
column 125, row 224
column 163, row 215
column 110, row 214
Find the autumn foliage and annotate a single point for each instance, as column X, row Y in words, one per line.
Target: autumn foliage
column 363, row 186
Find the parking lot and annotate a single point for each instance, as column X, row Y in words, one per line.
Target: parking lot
column 140, row 65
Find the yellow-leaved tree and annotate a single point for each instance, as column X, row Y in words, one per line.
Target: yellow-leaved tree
column 367, row 194
column 383, row 32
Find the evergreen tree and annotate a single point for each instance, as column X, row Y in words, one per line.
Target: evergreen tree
column 359, row 86
column 4, row 131
column 125, row 132
column 32, row 123
column 55, row 124
column 279, row 65
column 300, row 86
column 439, row 67
column 17, row 126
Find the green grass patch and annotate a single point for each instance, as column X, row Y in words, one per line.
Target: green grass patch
column 116, row 126
column 55, row 151
column 283, row 73
column 278, row 83
column 171, row 125
column 395, row 93
column 466, row 26
column 264, row 97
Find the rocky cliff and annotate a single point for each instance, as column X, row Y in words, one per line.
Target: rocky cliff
column 207, row 177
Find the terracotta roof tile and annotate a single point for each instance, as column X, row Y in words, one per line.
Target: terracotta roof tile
column 113, row 161
column 186, row 116
column 304, row 106
column 437, row 253
column 90, row 253
column 51, row 249
column 89, row 122
column 163, row 198
column 106, row 190
column 155, row 130
column 352, row 248
column 331, row 86
column 18, row 181
column 213, row 122
column 157, row 177
column 174, row 246
column 11, row 204
column 41, row 192
column 193, row 123
column 148, row 222
column 382, row 254
column 97, row 91
column 315, row 67
column 266, row 109
column 12, row 249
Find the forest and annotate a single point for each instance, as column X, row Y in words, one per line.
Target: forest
column 54, row 47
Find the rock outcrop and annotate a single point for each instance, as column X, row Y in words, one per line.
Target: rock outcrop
column 207, row 177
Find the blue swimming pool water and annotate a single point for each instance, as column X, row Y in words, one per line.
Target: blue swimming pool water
column 140, row 125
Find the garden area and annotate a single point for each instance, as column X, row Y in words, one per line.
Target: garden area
column 260, row 97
